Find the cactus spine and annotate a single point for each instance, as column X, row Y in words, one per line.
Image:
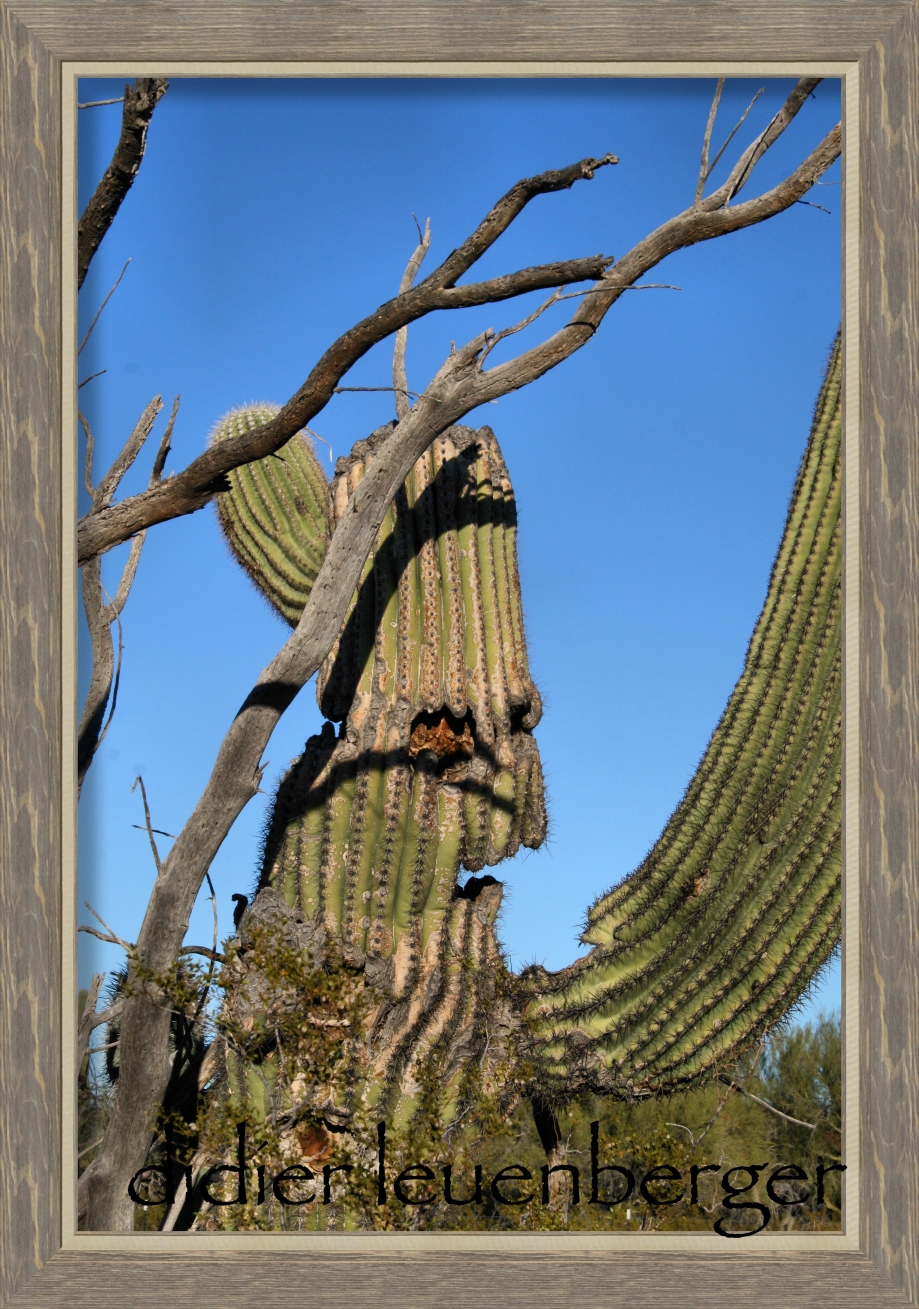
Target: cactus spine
column 721, row 928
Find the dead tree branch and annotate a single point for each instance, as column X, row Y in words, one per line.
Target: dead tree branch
column 87, row 1018
column 102, row 613
column 195, row 485
column 399, row 378
column 96, row 219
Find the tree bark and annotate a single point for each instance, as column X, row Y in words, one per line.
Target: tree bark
column 117, row 180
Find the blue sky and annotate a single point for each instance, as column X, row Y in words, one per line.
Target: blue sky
column 652, row 470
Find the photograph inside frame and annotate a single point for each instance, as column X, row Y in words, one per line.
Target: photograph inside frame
column 460, row 655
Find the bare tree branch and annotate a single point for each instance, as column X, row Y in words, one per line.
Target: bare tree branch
column 94, row 104
column 399, row 378
column 189, row 490
column 100, row 936
column 139, row 104
column 799, row 1122
column 112, row 289
column 132, row 448
column 162, row 453
column 87, row 1023
column 113, row 937
column 139, row 781
column 90, row 731
column 704, row 169
column 99, row 614
column 733, row 132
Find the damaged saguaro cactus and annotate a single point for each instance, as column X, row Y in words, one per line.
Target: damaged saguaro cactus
column 723, row 926
column 696, row 955
column 434, row 769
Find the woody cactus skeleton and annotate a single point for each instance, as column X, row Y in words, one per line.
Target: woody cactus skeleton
column 696, row 954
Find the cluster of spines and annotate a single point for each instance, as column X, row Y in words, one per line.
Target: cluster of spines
column 275, row 516
column 721, row 928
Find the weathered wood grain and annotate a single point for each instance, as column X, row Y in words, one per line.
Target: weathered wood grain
column 30, row 655
column 461, row 1281
column 33, row 38
column 462, row 29
column 889, row 81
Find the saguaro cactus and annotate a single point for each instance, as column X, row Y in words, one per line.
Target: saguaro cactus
column 724, row 924
column 435, row 767
column 695, row 955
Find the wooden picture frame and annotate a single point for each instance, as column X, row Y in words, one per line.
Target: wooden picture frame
column 879, row 43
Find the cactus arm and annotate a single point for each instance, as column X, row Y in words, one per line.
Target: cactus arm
column 724, row 924
column 275, row 517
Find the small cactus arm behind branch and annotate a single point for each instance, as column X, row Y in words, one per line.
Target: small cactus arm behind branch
column 275, row 515
column 726, row 922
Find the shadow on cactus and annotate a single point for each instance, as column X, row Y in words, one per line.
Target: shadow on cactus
column 434, row 768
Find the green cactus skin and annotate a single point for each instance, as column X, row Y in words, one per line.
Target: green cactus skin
column 725, row 923
column 275, row 517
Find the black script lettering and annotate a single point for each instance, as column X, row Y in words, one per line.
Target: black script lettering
column 414, row 1173
column 513, row 1173
column 730, row 1203
column 562, row 1168
column 822, row 1170
column 787, row 1173
column 261, row 1184
column 596, row 1170
column 327, row 1172
column 381, row 1163
column 164, row 1171
column 296, row 1173
column 694, row 1172
column 138, row 1177
column 239, row 1168
column 448, row 1194
column 660, row 1173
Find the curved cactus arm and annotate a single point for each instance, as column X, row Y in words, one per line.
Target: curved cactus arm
column 725, row 923
column 275, row 516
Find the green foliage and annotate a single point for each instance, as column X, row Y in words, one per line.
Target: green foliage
column 802, row 1077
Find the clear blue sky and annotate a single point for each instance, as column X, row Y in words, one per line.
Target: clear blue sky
column 652, row 470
